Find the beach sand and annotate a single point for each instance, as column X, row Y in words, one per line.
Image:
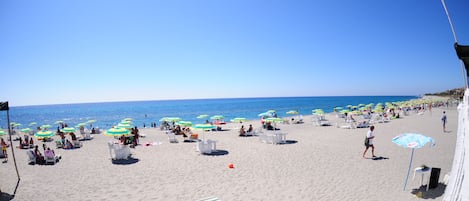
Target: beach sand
column 317, row 163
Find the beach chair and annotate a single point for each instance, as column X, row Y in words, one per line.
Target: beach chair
column 77, row 144
column 58, row 144
column 171, row 137
column 31, row 156
column 50, row 157
column 205, row 147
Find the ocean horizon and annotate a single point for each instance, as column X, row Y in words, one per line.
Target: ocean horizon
column 145, row 112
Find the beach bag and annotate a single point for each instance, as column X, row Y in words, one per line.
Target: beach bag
column 367, row 141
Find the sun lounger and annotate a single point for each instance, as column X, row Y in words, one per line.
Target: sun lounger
column 31, row 156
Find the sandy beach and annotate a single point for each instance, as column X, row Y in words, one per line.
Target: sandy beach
column 316, row 163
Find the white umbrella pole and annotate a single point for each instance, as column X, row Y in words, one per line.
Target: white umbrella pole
column 408, row 171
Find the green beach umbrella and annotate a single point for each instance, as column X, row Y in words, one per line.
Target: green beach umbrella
column 344, row 111
column 204, row 127
column 239, row 120
column 2, row 132
column 217, row 117
column 44, row 134
column 90, row 121
column 202, row 116
column 81, row 124
column 184, row 123
column 128, row 119
column 170, row 119
column 26, row 130
column 59, row 122
column 121, row 125
column 45, row 126
column 273, row 120
column 318, row 111
column 125, row 122
column 68, row 130
column 293, row 112
column 116, row 132
column 32, row 123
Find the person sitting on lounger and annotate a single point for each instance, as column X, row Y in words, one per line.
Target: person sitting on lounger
column 49, row 153
column 39, row 156
column 68, row 145
column 250, row 129
column 242, row 132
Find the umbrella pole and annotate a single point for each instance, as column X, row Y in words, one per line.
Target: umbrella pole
column 410, row 165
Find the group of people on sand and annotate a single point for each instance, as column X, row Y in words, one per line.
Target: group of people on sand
column 41, row 158
column 243, row 132
column 66, row 143
column 133, row 140
column 27, row 143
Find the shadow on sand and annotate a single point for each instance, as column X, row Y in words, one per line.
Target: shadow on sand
column 431, row 193
column 378, row 158
column 217, row 153
column 128, row 161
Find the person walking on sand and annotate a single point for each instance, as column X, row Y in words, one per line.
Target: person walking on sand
column 4, row 150
column 369, row 142
column 444, row 120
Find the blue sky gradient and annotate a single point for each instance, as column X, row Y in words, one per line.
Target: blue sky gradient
column 54, row 52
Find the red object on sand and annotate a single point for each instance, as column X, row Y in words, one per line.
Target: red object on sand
column 231, row 166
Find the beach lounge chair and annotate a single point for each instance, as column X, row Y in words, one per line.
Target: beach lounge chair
column 206, row 147
column 77, row 144
column 171, row 137
column 58, row 144
column 51, row 157
column 86, row 136
column 31, row 156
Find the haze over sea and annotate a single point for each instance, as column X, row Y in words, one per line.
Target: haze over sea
column 111, row 113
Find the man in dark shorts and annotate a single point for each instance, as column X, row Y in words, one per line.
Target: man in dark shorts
column 369, row 142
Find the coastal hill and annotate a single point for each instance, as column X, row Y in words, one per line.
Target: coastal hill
column 456, row 93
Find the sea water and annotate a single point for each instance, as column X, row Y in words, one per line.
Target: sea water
column 147, row 112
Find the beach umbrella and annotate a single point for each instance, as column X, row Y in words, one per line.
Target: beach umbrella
column 81, row 124
column 204, row 127
column 273, row 120
column 344, row 111
column 293, row 112
column 44, row 134
column 128, row 119
column 184, row 123
column 116, row 132
column 90, row 121
column 202, row 116
column 170, row 119
column 217, row 117
column 123, row 125
column 59, row 122
column 68, row 130
column 412, row 141
column 32, row 123
column 26, row 130
column 318, row 111
column 265, row 114
column 2, row 132
column 239, row 120
column 45, row 126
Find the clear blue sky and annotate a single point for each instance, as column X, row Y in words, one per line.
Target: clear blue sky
column 98, row 51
